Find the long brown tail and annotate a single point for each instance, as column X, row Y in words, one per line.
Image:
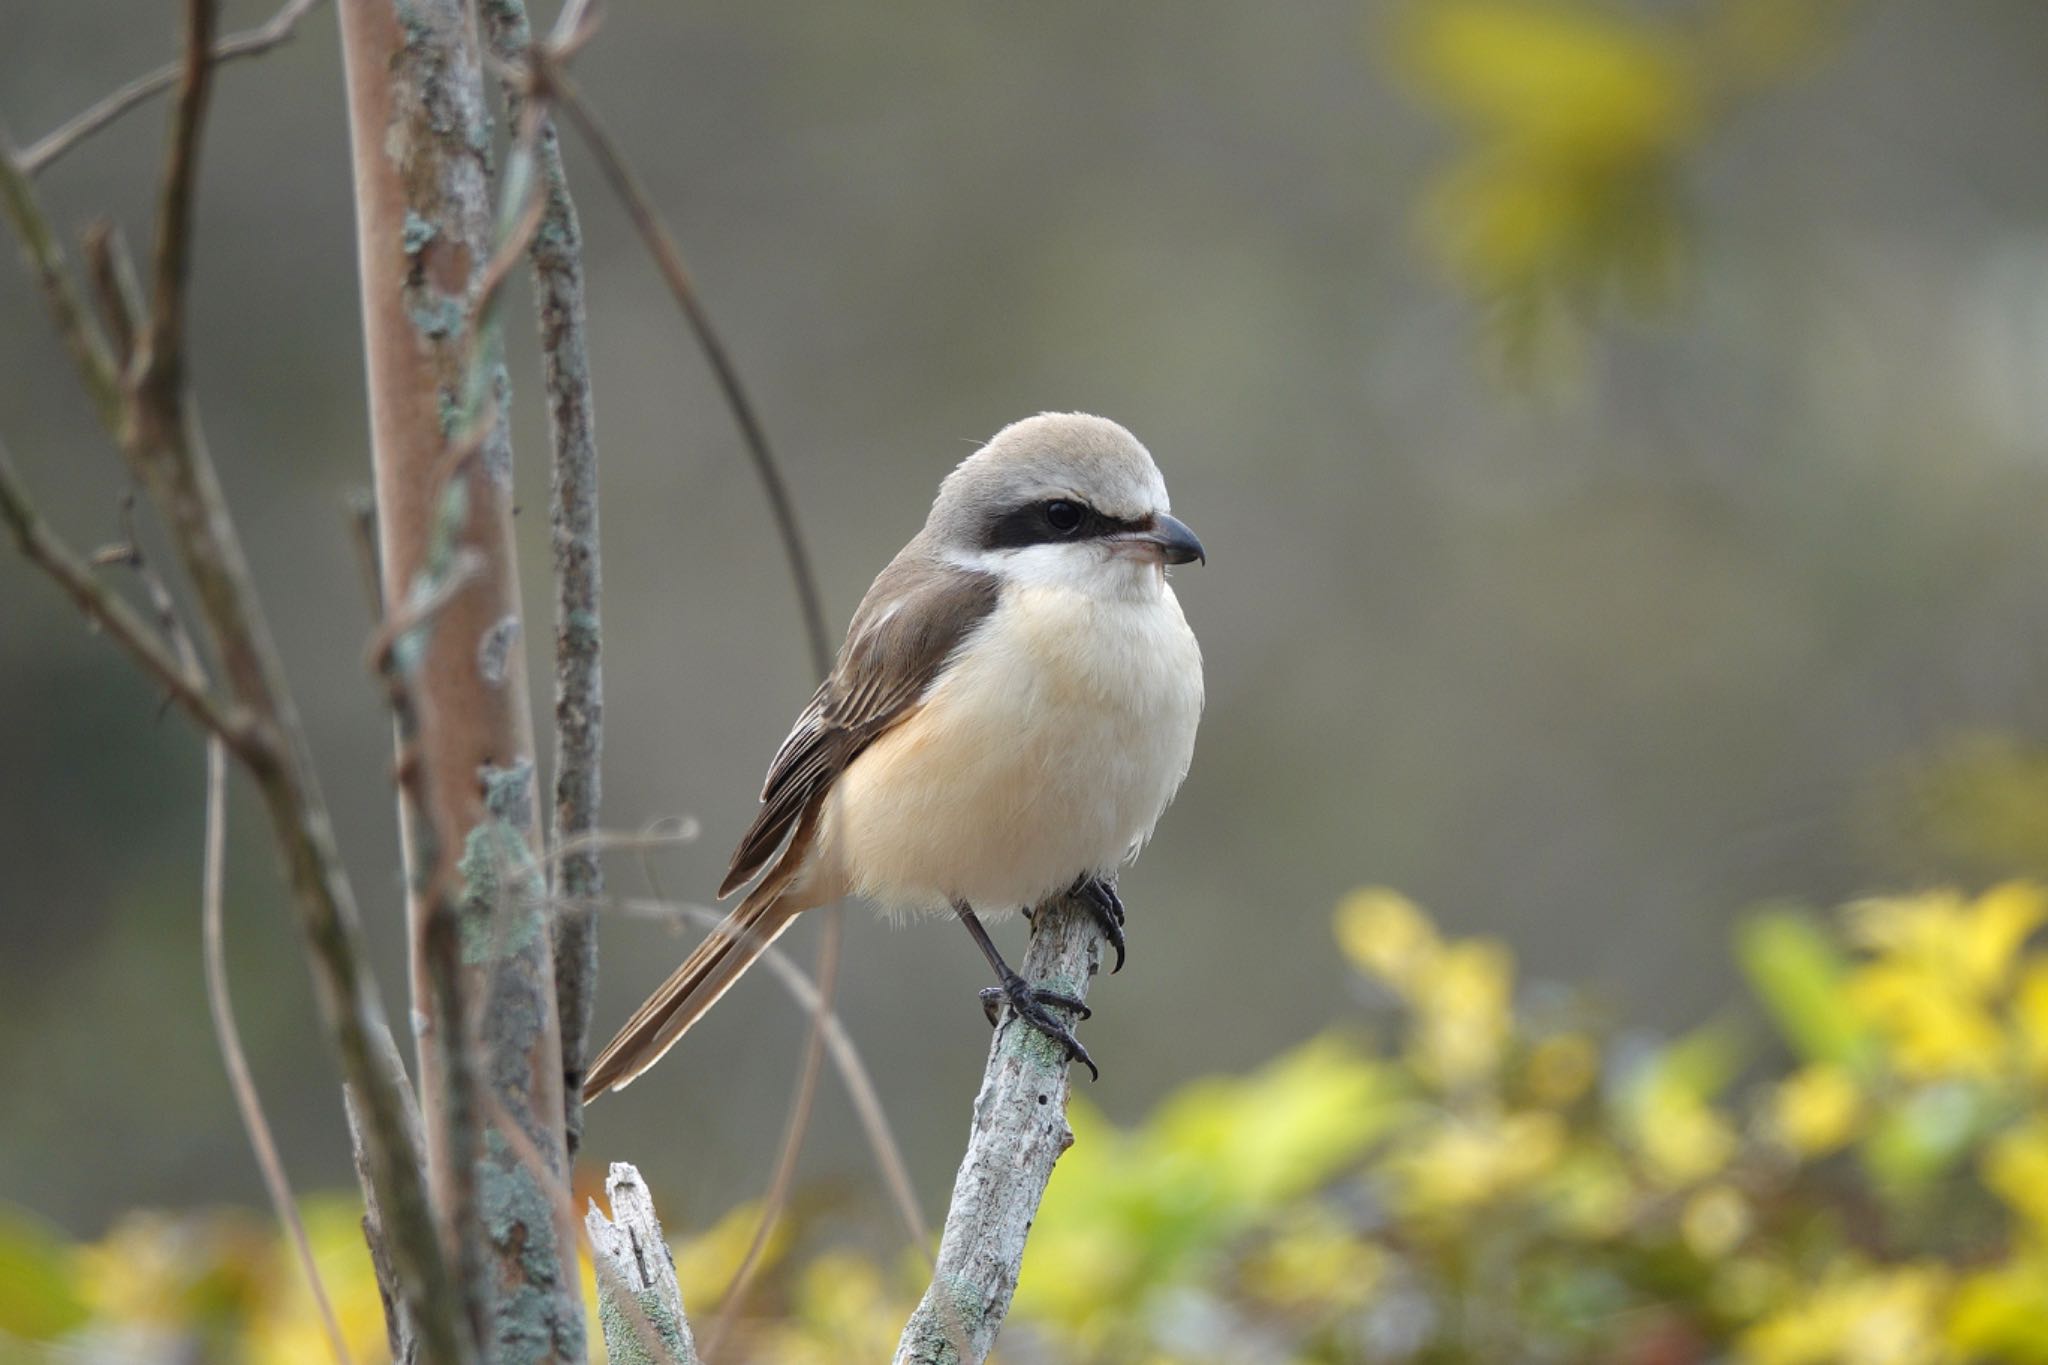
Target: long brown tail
column 682, row 1000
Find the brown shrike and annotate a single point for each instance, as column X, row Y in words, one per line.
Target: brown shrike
column 1015, row 704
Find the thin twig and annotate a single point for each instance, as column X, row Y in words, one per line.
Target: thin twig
column 78, row 127
column 853, row 1073
column 784, row 1179
column 161, row 361
column 213, row 936
column 668, row 258
column 96, row 368
column 682, row 829
column 239, row 1078
column 556, row 252
column 395, row 646
column 116, row 292
column 122, row 623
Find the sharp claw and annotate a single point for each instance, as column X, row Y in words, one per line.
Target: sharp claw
column 1030, row 1003
column 1108, row 910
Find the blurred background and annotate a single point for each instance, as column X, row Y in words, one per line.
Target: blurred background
column 1617, row 428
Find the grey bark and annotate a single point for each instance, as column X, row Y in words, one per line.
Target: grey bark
column 578, row 874
column 1020, row 1129
column 639, row 1303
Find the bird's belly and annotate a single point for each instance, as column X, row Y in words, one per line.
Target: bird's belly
column 1046, row 751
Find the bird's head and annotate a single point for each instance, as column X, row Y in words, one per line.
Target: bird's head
column 1062, row 498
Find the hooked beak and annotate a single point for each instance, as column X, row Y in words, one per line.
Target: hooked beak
column 1177, row 544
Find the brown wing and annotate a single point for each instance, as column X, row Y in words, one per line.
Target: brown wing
column 912, row 619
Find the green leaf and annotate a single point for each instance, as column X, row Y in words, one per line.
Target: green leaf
column 1800, row 976
column 37, row 1299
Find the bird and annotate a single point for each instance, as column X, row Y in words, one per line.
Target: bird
column 1013, row 708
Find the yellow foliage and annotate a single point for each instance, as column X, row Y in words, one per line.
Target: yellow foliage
column 1715, row 1221
column 1315, row 1257
column 2030, row 1019
column 1859, row 1317
column 1561, row 81
column 1562, row 1068
column 1575, row 116
column 1816, row 1110
column 2016, row 1170
column 1471, row 1189
column 1941, row 969
column 2002, row 1313
column 1461, row 1165
column 706, row 1263
column 1463, row 1002
column 1386, row 936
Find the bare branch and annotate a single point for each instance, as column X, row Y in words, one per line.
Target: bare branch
column 395, row 648
column 164, row 445
column 636, row 1277
column 1020, row 1129
column 46, row 261
column 556, row 252
column 401, row 1331
column 248, row 43
column 160, row 363
column 116, row 292
column 121, row 622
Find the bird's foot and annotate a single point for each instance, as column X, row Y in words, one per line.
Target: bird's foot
column 1099, row 895
column 1029, row 1003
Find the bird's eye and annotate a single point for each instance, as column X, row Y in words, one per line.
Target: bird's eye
column 1063, row 516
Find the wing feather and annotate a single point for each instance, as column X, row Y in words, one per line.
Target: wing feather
column 909, row 626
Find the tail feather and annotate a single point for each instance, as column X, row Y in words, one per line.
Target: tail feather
column 694, row 988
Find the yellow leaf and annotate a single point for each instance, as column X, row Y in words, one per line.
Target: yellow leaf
column 1816, row 1110
column 1715, row 1221
column 1386, row 935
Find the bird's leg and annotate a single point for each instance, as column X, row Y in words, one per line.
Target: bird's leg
column 1028, row 1002
column 1099, row 895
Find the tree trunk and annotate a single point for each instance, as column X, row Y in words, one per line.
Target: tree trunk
column 421, row 139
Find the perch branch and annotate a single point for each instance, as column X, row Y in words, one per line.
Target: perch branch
column 1020, row 1129
column 556, row 253
column 636, row 1277
column 248, row 43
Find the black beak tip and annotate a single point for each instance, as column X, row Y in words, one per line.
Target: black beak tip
column 1181, row 544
